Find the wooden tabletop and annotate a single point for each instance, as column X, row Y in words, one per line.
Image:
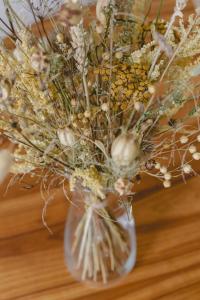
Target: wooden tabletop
column 168, row 235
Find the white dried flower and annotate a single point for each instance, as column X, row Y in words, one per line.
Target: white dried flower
column 196, row 156
column 167, row 176
column 184, row 139
column 119, row 55
column 105, row 106
column 60, row 37
column 138, row 106
column 157, row 166
column 187, row 169
column 192, row 149
column 100, row 11
column 151, row 89
column 167, row 184
column 87, row 114
column 106, row 56
column 163, row 170
column 125, row 149
column 5, row 163
column 66, row 137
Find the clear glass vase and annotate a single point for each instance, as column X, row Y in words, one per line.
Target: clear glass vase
column 100, row 239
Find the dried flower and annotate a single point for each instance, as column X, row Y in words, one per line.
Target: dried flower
column 123, row 187
column 196, row 156
column 166, row 184
column 187, row 169
column 167, row 176
column 157, row 166
column 105, row 106
column 119, row 55
column 163, row 170
column 66, row 137
column 60, row 37
column 184, row 139
column 125, row 149
column 192, row 149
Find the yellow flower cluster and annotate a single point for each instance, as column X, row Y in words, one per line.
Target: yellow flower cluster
column 127, row 81
column 90, row 178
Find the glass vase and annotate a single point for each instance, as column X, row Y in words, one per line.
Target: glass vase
column 100, row 239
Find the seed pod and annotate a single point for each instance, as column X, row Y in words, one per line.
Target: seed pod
column 125, row 149
column 66, row 137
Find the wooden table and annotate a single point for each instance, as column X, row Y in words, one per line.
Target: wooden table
column 168, row 263
column 168, row 232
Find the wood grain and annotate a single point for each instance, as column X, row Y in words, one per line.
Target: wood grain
column 167, row 223
column 168, row 264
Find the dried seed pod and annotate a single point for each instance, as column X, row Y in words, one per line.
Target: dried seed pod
column 125, row 149
column 66, row 137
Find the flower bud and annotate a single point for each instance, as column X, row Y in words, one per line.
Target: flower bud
column 66, row 137
column 125, row 149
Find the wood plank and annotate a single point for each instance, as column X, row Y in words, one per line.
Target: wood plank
column 32, row 262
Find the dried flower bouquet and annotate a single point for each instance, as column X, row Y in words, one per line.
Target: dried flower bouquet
column 101, row 102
